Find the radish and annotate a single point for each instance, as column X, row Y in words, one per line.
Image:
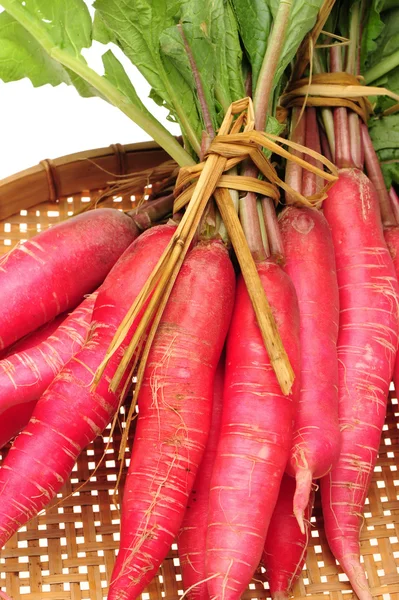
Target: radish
column 51, row 272
column 255, row 438
column 26, row 375
column 389, row 208
column 192, row 535
column 310, row 263
column 391, row 235
column 367, row 344
column 285, row 548
column 36, row 337
column 69, row 415
column 175, row 404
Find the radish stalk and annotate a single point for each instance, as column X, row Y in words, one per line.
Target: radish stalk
column 293, row 171
column 326, row 113
column 343, row 156
column 382, row 68
column 375, row 175
column 198, row 83
column 272, row 229
column 264, row 87
column 394, row 198
column 352, row 67
column 311, row 183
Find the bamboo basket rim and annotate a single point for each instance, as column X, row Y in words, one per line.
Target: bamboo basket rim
column 87, row 170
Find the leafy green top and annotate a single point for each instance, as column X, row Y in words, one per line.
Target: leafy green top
column 227, row 40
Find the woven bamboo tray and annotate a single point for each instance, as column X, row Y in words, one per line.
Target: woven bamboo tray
column 67, row 553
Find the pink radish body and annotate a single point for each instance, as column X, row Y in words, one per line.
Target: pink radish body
column 367, row 344
column 255, row 438
column 35, row 338
column 69, row 415
column 51, row 272
column 310, row 263
column 175, row 405
column 392, row 240
column 285, row 548
column 25, row 376
column 192, row 536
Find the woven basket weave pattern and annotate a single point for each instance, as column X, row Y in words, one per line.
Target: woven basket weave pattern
column 67, row 553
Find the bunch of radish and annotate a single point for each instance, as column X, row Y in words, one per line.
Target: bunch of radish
column 226, row 457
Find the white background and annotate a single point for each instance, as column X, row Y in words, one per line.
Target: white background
column 47, row 122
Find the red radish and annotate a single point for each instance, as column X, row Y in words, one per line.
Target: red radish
column 51, row 272
column 175, row 404
column 192, row 535
column 26, row 375
column 69, row 415
column 367, row 344
column 285, row 548
column 310, row 263
column 255, row 438
column 35, row 338
column 391, row 235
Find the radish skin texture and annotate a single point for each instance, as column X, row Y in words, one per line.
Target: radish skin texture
column 310, row 263
column 367, row 344
column 192, row 535
column 35, row 338
column 391, row 235
column 51, row 272
column 285, row 547
column 25, row 376
column 69, row 415
column 175, row 404
column 255, row 439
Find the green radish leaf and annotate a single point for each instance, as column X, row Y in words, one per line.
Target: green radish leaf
column 56, row 31
column 276, row 128
column 101, row 33
column 175, row 55
column 373, row 26
column 387, row 40
column 21, row 56
column 137, row 27
column 199, row 21
column 62, row 23
column 254, row 20
column 116, row 74
column 373, row 29
column 193, row 23
column 232, row 55
column 384, row 134
column 382, row 65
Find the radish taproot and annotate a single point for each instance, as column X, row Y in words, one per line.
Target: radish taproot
column 310, row 263
column 192, row 534
column 285, row 547
column 367, row 345
column 69, row 415
column 255, row 438
column 51, row 272
column 26, row 375
column 175, row 403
